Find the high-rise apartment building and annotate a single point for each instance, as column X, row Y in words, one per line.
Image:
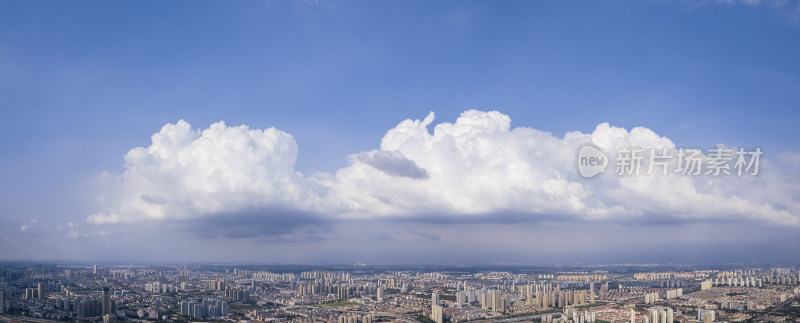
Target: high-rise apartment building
column 437, row 314
column 106, row 301
column 706, row 284
column 461, row 297
column 705, row 315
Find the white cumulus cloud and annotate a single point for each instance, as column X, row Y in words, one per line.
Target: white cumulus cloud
column 188, row 173
column 477, row 168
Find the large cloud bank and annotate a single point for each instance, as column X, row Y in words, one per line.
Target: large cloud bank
column 476, row 169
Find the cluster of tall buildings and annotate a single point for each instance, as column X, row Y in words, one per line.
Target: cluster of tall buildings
column 494, row 301
column 88, row 307
column 490, row 299
column 100, row 271
column 469, row 295
column 342, row 291
column 216, row 284
column 580, row 316
column 208, row 308
column 158, row 287
column 650, row 298
column 547, row 296
column 235, row 293
column 750, row 281
column 265, row 276
column 582, row 278
column 659, row 315
column 706, row 315
column 308, row 289
column 31, row 293
column 38, row 292
column 369, row 318
column 318, row 274
column 41, row 290
column 706, row 284
column 672, row 283
column 757, row 277
column 674, row 293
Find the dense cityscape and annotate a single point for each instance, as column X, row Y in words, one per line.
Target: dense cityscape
column 397, row 293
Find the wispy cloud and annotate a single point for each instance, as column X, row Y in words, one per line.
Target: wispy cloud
column 29, row 226
column 790, row 9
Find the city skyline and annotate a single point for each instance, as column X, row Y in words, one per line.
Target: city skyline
column 81, row 292
column 338, row 132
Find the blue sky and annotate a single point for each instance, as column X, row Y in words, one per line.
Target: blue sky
column 82, row 83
